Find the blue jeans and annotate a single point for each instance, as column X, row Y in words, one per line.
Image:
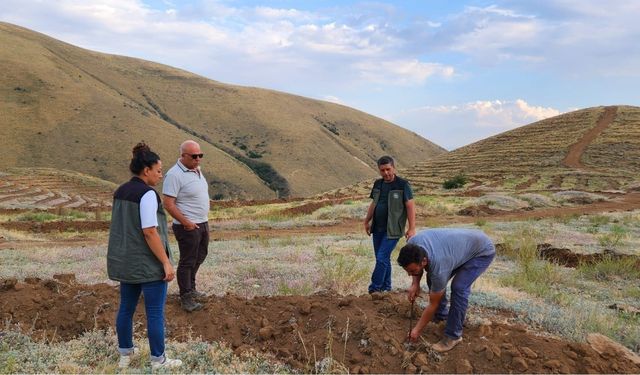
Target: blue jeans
column 381, row 276
column 463, row 278
column 155, row 296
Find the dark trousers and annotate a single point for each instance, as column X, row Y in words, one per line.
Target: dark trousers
column 194, row 246
column 463, row 278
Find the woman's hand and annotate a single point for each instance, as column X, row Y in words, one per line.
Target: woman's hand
column 169, row 273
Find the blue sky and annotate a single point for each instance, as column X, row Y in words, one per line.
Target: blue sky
column 452, row 71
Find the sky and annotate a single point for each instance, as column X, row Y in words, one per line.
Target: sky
column 452, row 71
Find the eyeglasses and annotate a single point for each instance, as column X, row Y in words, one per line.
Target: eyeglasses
column 195, row 156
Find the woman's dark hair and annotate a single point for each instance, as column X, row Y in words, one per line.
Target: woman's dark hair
column 410, row 253
column 142, row 157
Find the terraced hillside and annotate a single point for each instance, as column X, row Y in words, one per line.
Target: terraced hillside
column 594, row 149
column 44, row 189
column 68, row 108
column 536, row 156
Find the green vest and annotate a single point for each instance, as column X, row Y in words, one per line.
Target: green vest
column 129, row 258
column 397, row 212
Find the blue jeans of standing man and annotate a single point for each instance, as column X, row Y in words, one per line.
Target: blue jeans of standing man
column 381, row 276
column 463, row 278
column 155, row 296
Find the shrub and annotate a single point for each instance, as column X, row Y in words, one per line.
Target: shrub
column 456, row 182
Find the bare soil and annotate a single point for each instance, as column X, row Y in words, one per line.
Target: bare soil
column 364, row 334
column 572, row 160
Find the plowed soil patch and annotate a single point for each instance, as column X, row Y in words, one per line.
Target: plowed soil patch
column 57, row 226
column 568, row 258
column 363, row 334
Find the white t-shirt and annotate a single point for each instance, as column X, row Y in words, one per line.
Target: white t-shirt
column 148, row 210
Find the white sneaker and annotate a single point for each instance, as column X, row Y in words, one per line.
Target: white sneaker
column 126, row 359
column 167, row 363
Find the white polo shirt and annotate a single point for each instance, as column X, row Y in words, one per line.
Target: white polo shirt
column 191, row 191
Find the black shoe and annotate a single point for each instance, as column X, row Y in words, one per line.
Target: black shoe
column 198, row 296
column 189, row 304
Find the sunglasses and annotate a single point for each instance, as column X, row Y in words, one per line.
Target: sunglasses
column 195, row 156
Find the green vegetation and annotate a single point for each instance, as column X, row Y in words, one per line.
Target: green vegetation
column 94, row 352
column 455, row 182
column 614, row 237
column 611, row 268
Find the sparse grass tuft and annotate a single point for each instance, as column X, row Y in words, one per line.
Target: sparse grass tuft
column 338, row 272
column 614, row 237
column 611, row 268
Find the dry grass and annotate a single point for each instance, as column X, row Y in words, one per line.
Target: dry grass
column 61, row 98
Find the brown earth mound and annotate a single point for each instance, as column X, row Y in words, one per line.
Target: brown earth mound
column 363, row 334
column 479, row 210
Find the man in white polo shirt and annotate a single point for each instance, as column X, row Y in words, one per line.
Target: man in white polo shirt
column 186, row 197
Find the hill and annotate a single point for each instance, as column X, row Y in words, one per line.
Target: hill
column 593, row 149
column 69, row 108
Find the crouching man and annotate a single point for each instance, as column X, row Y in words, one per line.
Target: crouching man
column 445, row 253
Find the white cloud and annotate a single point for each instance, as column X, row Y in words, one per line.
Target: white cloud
column 452, row 126
column 332, row 99
column 402, row 72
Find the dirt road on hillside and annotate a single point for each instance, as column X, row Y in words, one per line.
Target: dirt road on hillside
column 363, row 334
column 572, row 160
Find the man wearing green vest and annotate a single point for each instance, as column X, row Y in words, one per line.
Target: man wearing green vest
column 391, row 207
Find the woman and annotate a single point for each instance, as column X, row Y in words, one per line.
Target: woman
column 139, row 257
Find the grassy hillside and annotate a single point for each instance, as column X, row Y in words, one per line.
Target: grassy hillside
column 66, row 107
column 533, row 157
column 536, row 156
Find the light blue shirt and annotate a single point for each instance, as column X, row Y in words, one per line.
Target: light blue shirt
column 448, row 249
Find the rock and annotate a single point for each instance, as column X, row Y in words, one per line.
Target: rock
column 485, row 330
column 514, row 353
column 51, row 285
column 410, row 369
column 553, row 364
column 393, row 351
column 32, row 280
column 528, row 352
column 244, row 348
column 464, row 367
column 425, row 369
column 480, row 348
column 376, row 296
column 571, row 354
column 81, row 316
column 603, row 344
column 67, row 278
column 421, row 360
column 489, row 355
column 305, row 308
column 9, row 284
column 355, row 370
column 264, row 322
column 18, row 287
column 520, row 364
column 344, row 302
column 266, row 333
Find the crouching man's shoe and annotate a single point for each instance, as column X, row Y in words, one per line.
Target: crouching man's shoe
column 446, row 344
